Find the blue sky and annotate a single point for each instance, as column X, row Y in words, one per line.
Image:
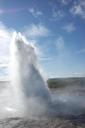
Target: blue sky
column 56, row 27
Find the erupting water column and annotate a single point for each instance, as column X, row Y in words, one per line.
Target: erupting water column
column 29, row 87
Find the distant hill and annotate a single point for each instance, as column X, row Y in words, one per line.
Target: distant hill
column 63, row 82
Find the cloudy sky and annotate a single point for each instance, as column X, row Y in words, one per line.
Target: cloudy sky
column 56, row 27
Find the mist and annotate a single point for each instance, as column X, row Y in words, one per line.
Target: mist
column 27, row 93
column 69, row 101
column 29, row 87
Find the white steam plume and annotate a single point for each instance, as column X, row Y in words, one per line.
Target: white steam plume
column 29, row 87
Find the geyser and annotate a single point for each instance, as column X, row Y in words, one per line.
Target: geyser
column 28, row 94
column 29, row 88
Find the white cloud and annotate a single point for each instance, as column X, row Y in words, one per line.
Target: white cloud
column 35, row 12
column 60, row 43
column 69, row 27
column 64, row 2
column 5, row 37
column 36, row 31
column 78, row 8
column 57, row 14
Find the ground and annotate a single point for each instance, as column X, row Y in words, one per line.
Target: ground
column 47, row 123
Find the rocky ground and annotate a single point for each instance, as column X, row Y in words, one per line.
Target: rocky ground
column 47, row 123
